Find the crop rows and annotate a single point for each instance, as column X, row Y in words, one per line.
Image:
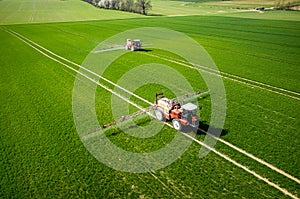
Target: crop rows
column 135, row 141
column 254, row 122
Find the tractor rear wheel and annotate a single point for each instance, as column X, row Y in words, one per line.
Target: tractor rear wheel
column 176, row 124
column 159, row 115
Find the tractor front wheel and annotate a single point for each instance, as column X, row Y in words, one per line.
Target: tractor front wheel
column 176, row 124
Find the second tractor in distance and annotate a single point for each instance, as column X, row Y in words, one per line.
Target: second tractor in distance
column 133, row 45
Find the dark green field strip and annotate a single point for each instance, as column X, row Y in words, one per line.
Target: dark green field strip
column 248, row 26
column 251, row 49
column 273, row 15
column 243, row 29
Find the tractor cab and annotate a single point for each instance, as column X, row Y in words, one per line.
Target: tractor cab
column 137, row 43
column 189, row 112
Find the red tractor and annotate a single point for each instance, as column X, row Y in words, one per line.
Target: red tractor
column 166, row 109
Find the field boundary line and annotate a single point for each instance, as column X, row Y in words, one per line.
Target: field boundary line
column 137, row 106
column 234, row 78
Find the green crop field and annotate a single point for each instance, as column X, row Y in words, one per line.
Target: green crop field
column 34, row 11
column 42, row 154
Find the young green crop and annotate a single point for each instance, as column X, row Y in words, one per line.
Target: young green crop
column 35, row 11
column 44, row 157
